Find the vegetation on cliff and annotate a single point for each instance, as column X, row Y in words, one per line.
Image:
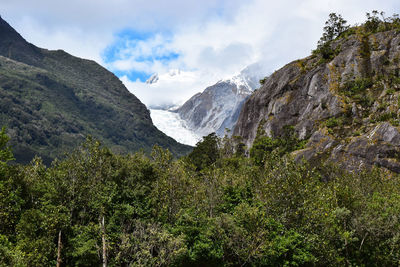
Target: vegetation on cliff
column 343, row 100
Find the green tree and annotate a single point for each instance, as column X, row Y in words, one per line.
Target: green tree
column 373, row 21
column 5, row 151
column 334, row 26
column 11, row 204
column 264, row 145
column 205, row 153
column 10, row 189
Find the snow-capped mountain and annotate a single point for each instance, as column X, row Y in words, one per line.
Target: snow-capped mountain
column 171, row 76
column 215, row 109
column 153, row 79
column 252, row 74
column 218, row 107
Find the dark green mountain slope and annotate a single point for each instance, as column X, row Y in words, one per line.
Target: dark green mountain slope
column 50, row 101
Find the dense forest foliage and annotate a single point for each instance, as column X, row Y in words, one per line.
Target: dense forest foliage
column 215, row 207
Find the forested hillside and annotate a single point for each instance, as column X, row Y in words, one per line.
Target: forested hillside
column 50, row 100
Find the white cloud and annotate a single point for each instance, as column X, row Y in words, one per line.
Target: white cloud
column 171, row 88
column 213, row 38
column 73, row 39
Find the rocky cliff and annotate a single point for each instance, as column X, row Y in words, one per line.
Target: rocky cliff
column 346, row 103
column 50, row 100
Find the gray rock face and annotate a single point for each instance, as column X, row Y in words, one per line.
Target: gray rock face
column 310, row 92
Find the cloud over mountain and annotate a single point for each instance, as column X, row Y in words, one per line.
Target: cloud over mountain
column 212, row 38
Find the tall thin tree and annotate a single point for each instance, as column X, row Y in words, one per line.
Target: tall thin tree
column 59, row 246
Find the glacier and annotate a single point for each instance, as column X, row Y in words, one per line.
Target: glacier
column 172, row 125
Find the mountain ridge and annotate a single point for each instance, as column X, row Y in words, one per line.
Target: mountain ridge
column 51, row 100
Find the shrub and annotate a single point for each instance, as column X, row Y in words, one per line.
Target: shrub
column 354, row 87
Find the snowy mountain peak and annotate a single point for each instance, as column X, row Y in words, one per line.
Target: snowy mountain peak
column 173, row 75
column 153, row 79
column 215, row 109
column 219, row 105
column 242, row 85
column 247, row 79
column 174, row 72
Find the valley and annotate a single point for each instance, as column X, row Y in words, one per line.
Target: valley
column 295, row 167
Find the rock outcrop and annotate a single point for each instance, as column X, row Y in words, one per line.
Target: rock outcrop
column 347, row 105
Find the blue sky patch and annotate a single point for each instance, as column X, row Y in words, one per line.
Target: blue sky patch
column 133, row 75
column 142, row 47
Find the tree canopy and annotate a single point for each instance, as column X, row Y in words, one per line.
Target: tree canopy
column 212, row 208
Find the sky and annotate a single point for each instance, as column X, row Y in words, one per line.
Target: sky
column 205, row 40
